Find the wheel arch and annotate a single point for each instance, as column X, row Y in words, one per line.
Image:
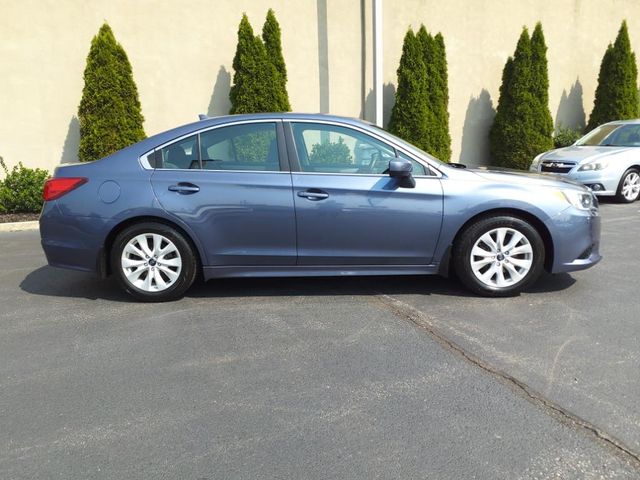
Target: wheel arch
column 538, row 224
column 104, row 258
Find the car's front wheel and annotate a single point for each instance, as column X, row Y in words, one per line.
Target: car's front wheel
column 153, row 262
column 498, row 256
column 629, row 186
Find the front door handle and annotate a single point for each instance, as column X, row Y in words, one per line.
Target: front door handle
column 313, row 194
column 184, row 188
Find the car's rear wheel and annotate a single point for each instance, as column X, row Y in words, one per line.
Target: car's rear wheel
column 629, row 186
column 498, row 256
column 153, row 262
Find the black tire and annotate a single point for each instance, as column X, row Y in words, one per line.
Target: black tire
column 184, row 252
column 471, row 235
column 620, row 197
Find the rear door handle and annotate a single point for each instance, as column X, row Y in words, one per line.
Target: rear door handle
column 184, row 188
column 313, row 194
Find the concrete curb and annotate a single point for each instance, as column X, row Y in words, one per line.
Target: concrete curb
column 18, row 226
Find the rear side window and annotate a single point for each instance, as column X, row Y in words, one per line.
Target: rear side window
column 251, row 146
column 180, row 155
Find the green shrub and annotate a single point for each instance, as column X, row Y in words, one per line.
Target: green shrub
column 109, row 113
column 409, row 116
column 273, row 45
column 542, row 120
column 617, row 91
column 327, row 152
column 257, row 83
column 439, row 99
column 522, row 127
column 565, row 137
column 420, row 114
column 21, row 189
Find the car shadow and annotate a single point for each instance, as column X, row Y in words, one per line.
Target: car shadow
column 54, row 282
column 57, row 282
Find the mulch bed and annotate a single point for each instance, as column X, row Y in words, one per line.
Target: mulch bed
column 18, row 217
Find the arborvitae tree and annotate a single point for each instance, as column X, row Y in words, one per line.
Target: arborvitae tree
column 409, row 114
column 542, row 135
column 420, row 113
column 273, row 45
column 109, row 112
column 427, row 46
column 255, row 81
column 617, row 92
column 511, row 134
column 440, row 101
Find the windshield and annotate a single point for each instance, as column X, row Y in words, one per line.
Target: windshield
column 613, row 135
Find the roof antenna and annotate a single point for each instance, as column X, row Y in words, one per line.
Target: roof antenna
column 202, row 116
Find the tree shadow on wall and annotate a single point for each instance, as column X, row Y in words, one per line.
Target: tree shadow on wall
column 368, row 111
column 71, row 142
column 475, row 133
column 570, row 112
column 219, row 104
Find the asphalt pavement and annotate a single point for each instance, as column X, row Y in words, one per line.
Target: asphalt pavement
column 382, row 377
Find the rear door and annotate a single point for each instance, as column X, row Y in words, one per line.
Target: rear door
column 231, row 184
column 349, row 211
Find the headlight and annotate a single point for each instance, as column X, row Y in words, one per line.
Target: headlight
column 593, row 166
column 535, row 163
column 580, row 200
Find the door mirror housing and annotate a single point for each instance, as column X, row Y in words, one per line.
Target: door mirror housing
column 400, row 168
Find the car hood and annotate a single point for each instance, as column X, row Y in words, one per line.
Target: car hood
column 584, row 154
column 525, row 178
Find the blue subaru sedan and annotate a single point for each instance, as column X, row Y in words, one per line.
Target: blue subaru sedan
column 274, row 195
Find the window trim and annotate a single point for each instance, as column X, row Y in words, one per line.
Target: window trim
column 283, row 156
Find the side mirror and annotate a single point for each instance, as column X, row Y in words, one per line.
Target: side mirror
column 400, row 168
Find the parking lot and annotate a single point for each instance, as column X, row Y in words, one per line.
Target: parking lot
column 382, row 377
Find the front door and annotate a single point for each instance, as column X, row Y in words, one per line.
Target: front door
column 349, row 211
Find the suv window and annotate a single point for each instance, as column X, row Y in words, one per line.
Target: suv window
column 335, row 149
column 250, row 146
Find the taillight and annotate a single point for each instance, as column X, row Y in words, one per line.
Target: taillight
column 57, row 187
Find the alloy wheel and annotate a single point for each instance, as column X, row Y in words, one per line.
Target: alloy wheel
column 631, row 186
column 501, row 257
column 151, row 262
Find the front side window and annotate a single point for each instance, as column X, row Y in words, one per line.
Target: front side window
column 335, row 149
column 251, row 146
column 418, row 168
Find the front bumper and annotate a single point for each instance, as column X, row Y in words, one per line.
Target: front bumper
column 576, row 240
column 606, row 180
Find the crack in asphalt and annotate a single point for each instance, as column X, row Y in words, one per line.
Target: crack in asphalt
column 422, row 321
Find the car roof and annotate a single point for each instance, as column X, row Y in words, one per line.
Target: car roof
column 633, row 121
column 284, row 116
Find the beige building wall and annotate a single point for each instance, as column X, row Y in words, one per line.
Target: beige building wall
column 181, row 53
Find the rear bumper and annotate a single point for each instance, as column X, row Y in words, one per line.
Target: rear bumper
column 576, row 240
column 70, row 241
